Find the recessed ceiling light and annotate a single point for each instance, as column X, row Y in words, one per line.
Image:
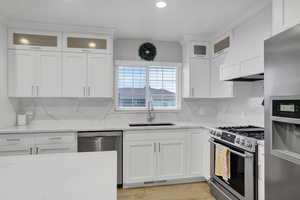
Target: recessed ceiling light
column 161, row 4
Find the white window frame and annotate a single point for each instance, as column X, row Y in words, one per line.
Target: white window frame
column 149, row 64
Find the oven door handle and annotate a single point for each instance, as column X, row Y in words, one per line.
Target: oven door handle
column 232, row 151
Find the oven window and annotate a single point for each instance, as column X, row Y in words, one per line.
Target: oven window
column 237, row 167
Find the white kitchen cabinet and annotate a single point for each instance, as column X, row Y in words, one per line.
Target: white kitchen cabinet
column 34, row 40
column 199, row 154
column 219, row 88
column 261, row 172
column 87, row 75
column 206, row 154
column 34, row 73
column 49, row 74
column 200, row 78
column 196, row 68
column 139, row 161
column 285, row 15
column 165, row 156
column 153, row 157
column 44, row 143
column 171, row 159
column 74, row 75
column 100, row 75
column 196, row 154
column 22, row 73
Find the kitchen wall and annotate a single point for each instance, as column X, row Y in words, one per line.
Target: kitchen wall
column 7, row 113
column 127, row 49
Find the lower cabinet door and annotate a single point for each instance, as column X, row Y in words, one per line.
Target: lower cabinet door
column 206, row 154
column 15, row 150
column 196, row 154
column 171, row 159
column 139, row 162
column 55, row 148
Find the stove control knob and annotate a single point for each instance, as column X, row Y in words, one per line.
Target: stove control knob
column 249, row 145
column 242, row 142
column 219, row 134
column 238, row 141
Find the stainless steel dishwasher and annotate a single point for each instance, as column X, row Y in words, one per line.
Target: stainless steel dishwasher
column 103, row 141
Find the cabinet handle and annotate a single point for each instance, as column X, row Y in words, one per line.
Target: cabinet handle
column 192, row 92
column 35, row 47
column 84, row 91
column 13, row 140
column 89, row 87
column 32, row 91
column 154, row 147
column 37, row 150
column 37, row 90
column 159, row 147
column 55, row 138
column 31, row 151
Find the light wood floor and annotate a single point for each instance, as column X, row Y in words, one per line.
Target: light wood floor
column 193, row 191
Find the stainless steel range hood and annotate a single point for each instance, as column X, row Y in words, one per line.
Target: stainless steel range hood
column 251, row 78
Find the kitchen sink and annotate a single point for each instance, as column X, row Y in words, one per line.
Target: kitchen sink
column 150, row 124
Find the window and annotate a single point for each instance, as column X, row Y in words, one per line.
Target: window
column 136, row 86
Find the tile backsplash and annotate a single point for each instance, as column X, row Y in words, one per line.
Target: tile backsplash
column 103, row 110
column 245, row 108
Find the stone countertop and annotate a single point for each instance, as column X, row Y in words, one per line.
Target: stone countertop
column 76, row 126
column 66, row 176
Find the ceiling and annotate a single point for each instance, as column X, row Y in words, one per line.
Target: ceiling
column 137, row 18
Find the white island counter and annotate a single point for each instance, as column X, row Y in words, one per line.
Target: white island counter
column 69, row 176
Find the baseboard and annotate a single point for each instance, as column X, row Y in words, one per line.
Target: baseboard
column 165, row 182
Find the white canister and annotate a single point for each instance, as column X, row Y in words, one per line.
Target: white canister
column 21, row 120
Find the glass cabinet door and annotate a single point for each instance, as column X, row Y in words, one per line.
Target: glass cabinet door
column 35, row 40
column 87, row 43
column 19, row 39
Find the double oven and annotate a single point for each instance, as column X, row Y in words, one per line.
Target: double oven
column 242, row 184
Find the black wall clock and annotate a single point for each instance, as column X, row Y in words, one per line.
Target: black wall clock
column 147, row 51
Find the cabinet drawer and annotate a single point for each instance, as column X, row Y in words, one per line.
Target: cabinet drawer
column 55, row 148
column 15, row 140
column 15, row 150
column 68, row 138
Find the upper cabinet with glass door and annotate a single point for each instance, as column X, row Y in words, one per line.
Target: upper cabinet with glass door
column 74, row 42
column 34, row 40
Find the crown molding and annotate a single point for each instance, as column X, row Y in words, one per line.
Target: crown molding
column 15, row 23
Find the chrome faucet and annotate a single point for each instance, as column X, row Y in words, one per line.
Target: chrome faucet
column 151, row 114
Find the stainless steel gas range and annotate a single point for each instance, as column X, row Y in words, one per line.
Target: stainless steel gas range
column 241, row 142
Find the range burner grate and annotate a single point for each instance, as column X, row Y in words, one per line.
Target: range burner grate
column 247, row 131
